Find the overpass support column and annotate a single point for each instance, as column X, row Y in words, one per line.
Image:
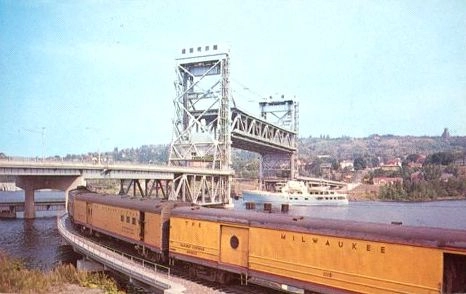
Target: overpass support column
column 29, row 207
column 31, row 183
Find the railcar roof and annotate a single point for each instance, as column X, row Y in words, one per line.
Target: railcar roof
column 401, row 234
column 125, row 201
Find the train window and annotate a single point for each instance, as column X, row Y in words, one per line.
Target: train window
column 127, row 219
column 234, row 242
column 122, row 218
column 134, row 220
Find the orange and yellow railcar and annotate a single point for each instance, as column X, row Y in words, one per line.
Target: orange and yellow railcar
column 320, row 254
column 141, row 222
column 317, row 255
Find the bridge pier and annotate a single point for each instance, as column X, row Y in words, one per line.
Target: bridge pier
column 29, row 206
column 32, row 183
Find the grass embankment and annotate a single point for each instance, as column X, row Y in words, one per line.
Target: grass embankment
column 16, row 278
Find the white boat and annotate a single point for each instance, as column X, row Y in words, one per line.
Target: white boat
column 297, row 193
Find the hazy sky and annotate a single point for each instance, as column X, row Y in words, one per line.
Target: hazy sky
column 99, row 74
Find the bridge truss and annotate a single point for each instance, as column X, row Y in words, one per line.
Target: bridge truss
column 201, row 129
column 206, row 127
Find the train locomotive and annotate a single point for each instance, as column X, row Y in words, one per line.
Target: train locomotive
column 323, row 255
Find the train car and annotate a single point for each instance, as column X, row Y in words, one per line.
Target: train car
column 202, row 241
column 320, row 255
column 142, row 222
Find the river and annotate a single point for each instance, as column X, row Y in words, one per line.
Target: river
column 39, row 245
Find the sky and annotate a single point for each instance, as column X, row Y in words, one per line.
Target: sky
column 82, row 76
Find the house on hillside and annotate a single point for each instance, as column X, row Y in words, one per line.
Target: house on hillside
column 391, row 165
column 383, row 181
column 418, row 163
column 347, row 164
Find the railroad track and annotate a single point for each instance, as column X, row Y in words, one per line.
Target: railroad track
column 193, row 285
column 214, row 287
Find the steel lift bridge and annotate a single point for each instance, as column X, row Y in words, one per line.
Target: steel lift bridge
column 208, row 124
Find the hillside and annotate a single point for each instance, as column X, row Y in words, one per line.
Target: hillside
column 389, row 167
column 373, row 148
column 385, row 147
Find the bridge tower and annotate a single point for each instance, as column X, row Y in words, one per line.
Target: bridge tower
column 201, row 127
column 283, row 113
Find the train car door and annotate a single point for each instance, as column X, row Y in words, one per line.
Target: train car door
column 234, row 245
column 142, row 221
column 454, row 273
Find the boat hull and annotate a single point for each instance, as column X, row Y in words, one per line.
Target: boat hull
column 258, row 196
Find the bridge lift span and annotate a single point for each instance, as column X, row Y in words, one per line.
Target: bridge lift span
column 206, row 126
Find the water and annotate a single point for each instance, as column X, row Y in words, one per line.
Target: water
column 36, row 241
column 39, row 196
column 442, row 214
column 39, row 245
column 44, row 195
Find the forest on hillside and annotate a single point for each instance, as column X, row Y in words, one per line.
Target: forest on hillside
column 371, row 151
column 385, row 147
column 430, row 167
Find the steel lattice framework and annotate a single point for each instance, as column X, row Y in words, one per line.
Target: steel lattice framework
column 285, row 114
column 206, row 127
column 201, row 136
column 258, row 135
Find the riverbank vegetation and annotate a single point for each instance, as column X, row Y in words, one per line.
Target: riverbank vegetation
column 430, row 182
column 16, row 278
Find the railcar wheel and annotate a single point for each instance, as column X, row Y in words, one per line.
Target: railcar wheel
column 223, row 277
column 192, row 271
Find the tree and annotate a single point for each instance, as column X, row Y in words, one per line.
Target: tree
column 440, row 158
column 393, row 191
column 359, row 163
column 374, row 161
column 431, row 172
column 412, row 158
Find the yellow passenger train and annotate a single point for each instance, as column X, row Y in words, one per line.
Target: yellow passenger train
column 320, row 255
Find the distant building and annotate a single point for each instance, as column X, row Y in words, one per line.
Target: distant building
column 446, row 133
column 325, row 169
column 391, row 165
column 446, row 176
column 383, row 181
column 347, row 164
column 414, row 164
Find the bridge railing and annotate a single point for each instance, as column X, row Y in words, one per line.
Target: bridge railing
column 84, row 161
column 137, row 268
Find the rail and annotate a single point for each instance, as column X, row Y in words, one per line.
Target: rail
column 145, row 263
column 136, row 268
